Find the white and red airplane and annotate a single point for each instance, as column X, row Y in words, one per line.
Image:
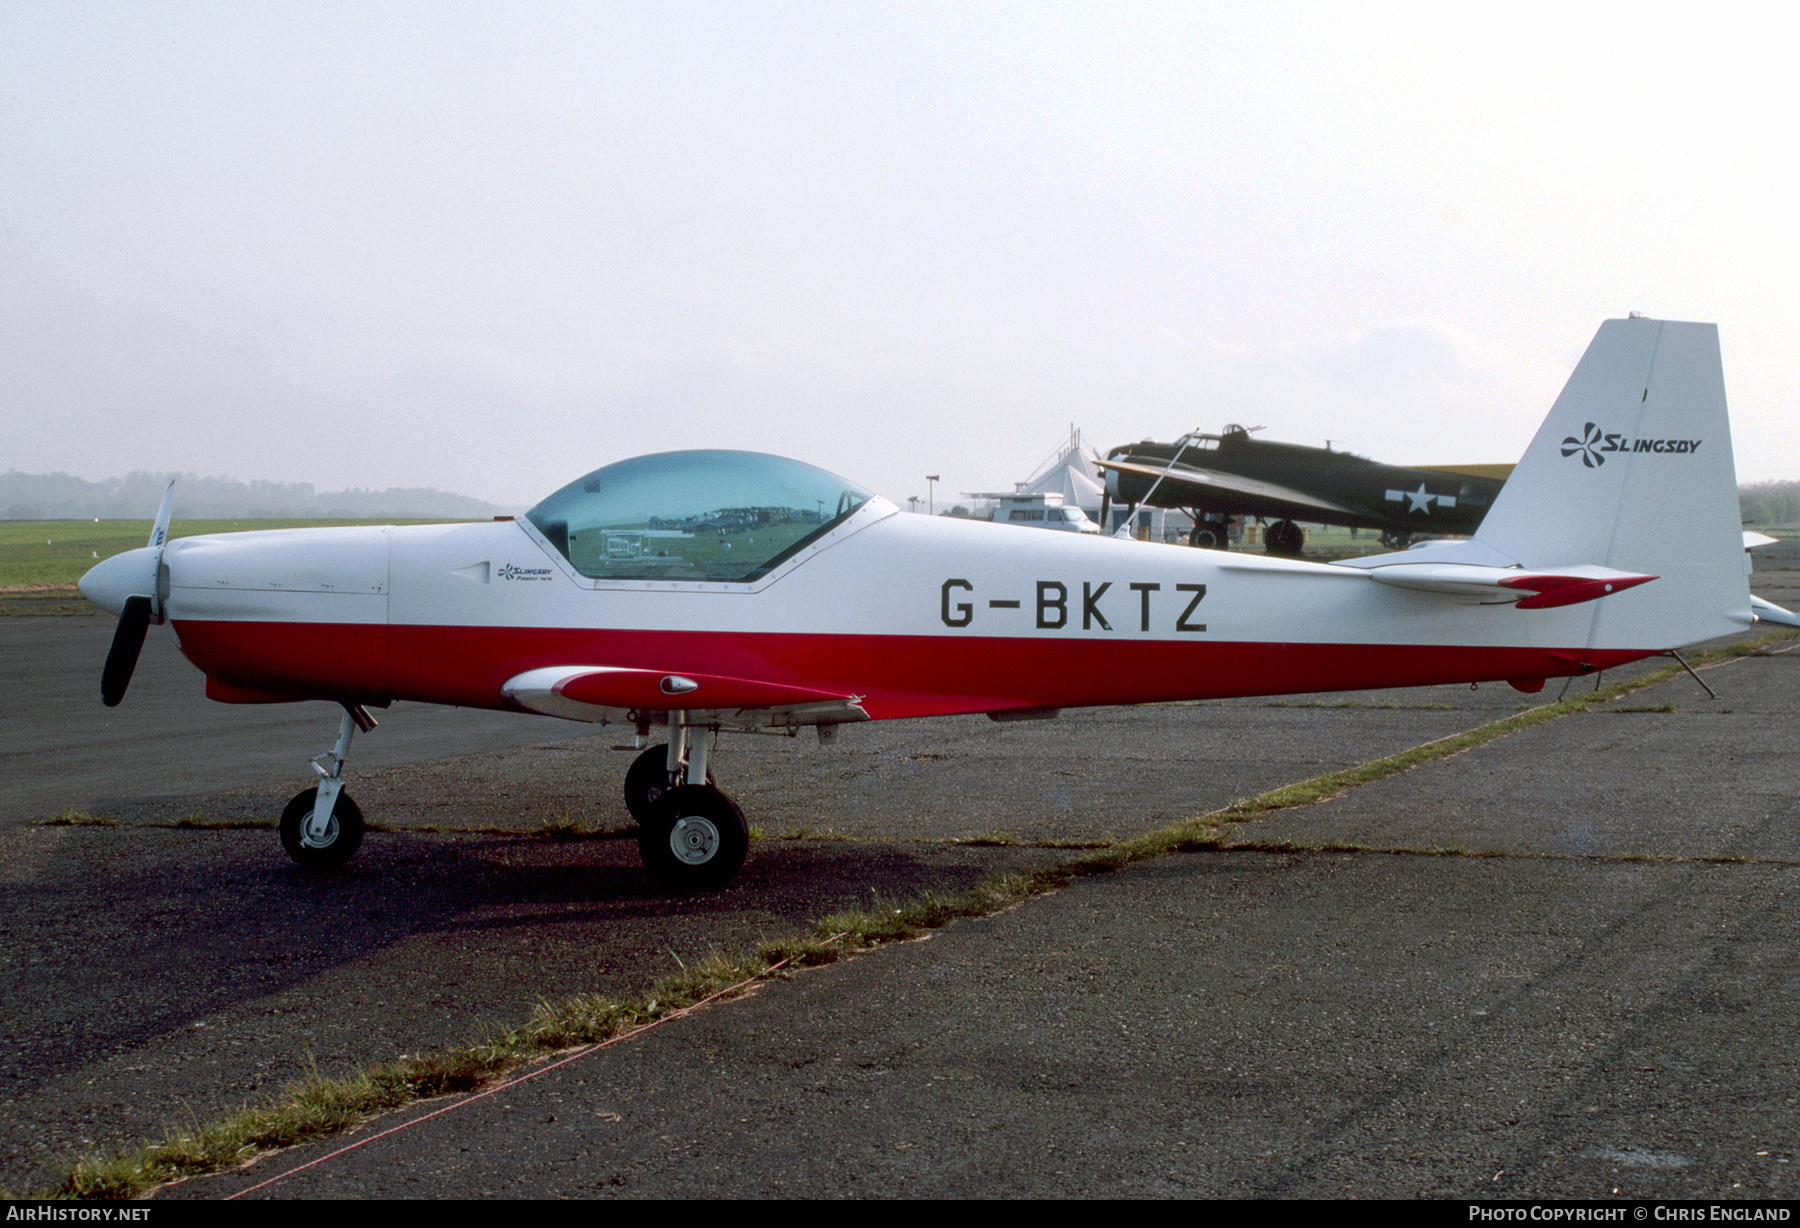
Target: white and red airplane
column 715, row 591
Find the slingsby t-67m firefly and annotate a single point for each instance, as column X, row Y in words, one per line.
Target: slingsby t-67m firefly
column 704, row 592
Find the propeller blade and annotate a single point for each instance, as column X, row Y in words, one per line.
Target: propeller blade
column 159, row 534
column 122, row 658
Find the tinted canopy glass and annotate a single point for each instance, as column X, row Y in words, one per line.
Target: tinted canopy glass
column 711, row 515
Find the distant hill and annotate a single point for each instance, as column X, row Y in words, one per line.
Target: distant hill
column 57, row 496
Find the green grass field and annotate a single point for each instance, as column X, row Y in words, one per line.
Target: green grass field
column 55, row 553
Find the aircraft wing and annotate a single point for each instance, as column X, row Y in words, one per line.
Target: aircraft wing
column 1492, row 473
column 1196, row 485
column 602, row 693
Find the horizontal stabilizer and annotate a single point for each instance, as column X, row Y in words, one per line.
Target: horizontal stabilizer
column 1496, row 585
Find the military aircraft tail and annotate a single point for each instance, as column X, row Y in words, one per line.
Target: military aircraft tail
column 1633, row 471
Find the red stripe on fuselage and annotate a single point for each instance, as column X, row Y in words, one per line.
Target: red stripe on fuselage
column 899, row 676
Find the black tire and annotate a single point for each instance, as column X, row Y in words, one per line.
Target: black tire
column 1396, row 539
column 1285, row 537
column 341, row 842
column 1209, row 535
column 694, row 839
column 648, row 778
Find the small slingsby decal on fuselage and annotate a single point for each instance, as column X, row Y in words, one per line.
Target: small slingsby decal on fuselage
column 1053, row 603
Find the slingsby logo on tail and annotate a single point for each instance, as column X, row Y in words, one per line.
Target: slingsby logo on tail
column 1593, row 446
column 703, row 592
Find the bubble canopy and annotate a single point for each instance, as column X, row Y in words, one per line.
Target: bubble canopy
column 704, row 515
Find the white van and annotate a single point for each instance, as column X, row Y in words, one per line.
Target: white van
column 1043, row 512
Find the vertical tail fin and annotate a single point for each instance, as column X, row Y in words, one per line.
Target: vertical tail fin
column 1633, row 470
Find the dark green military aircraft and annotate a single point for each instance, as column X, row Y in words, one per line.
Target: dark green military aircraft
column 1216, row 477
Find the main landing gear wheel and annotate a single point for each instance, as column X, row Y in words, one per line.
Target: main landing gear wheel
column 694, row 838
column 648, row 778
column 1285, row 537
column 1210, row 534
column 1396, row 539
column 341, row 838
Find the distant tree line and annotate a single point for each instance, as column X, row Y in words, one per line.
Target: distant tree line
column 1770, row 503
column 58, row 496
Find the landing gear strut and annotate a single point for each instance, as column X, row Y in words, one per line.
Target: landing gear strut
column 322, row 827
column 651, row 775
column 690, row 836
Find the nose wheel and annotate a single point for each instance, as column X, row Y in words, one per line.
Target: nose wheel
column 337, row 844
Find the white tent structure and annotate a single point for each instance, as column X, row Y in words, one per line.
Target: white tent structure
column 1070, row 473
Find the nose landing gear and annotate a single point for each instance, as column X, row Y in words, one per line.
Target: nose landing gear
column 322, row 827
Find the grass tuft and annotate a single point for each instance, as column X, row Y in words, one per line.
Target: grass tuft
column 561, row 824
column 78, row 818
column 812, row 833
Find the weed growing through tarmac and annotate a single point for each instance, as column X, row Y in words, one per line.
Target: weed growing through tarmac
column 813, row 833
column 561, row 824
column 317, row 1107
column 79, row 818
column 197, row 821
column 194, row 820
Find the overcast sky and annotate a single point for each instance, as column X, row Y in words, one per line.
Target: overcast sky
column 489, row 247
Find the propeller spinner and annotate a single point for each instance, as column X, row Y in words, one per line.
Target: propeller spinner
column 129, row 584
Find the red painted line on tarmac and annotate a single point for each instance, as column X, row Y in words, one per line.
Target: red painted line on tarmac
column 511, row 1083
